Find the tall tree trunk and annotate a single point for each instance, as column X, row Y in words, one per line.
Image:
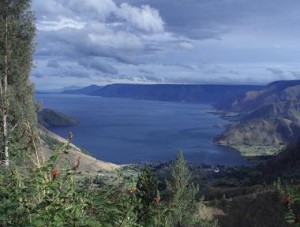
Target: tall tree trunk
column 4, row 106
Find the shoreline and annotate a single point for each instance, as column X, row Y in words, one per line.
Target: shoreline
column 252, row 153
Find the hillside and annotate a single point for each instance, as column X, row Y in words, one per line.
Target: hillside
column 272, row 119
column 87, row 163
column 278, row 91
column 285, row 164
column 53, row 118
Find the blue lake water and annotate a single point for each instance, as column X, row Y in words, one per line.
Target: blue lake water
column 130, row 131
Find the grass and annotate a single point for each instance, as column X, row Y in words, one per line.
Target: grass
column 51, row 142
column 251, row 151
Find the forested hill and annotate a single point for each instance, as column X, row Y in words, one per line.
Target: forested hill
column 192, row 93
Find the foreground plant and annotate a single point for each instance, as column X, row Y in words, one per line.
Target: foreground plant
column 43, row 193
column 291, row 201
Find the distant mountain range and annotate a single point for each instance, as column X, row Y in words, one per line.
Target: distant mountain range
column 82, row 91
column 271, row 113
column 219, row 95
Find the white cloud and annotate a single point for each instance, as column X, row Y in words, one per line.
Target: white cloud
column 144, row 18
column 48, row 25
column 96, row 28
column 115, row 39
column 91, row 8
column 186, row 45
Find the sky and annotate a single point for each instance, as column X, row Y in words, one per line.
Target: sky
column 165, row 41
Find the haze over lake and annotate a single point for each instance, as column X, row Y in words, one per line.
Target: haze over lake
column 130, row 131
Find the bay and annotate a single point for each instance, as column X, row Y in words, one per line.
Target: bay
column 132, row 131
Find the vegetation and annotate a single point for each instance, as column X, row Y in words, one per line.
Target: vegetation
column 51, row 195
column 182, row 193
column 51, row 118
column 17, row 108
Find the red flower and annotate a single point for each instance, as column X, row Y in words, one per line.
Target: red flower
column 157, row 199
column 132, row 190
column 93, row 209
column 55, row 172
column 287, row 199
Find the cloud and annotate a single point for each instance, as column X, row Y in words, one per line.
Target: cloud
column 53, row 64
column 277, row 72
column 89, row 29
column 167, row 41
column 186, row 45
column 98, row 65
column 146, row 72
column 61, row 23
column 144, row 18
column 37, row 75
column 211, row 19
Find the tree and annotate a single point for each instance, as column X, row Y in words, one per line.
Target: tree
column 17, row 31
column 147, row 192
column 181, row 193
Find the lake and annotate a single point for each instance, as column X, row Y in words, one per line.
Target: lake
column 133, row 131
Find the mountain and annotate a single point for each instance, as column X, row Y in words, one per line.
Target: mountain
column 278, row 91
column 52, row 118
column 272, row 119
column 82, row 91
column 191, row 93
column 286, row 163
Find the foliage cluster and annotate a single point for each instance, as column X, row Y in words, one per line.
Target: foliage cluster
column 48, row 194
column 17, row 108
column 291, row 200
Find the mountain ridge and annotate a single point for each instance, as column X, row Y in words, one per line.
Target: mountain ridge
column 217, row 95
column 271, row 121
column 82, row 91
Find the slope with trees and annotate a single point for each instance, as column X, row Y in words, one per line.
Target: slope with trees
column 17, row 31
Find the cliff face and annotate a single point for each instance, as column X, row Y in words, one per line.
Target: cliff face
column 273, row 119
column 53, row 118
